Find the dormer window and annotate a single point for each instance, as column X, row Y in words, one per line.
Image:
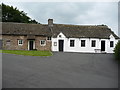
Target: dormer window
column 49, row 38
column 42, row 42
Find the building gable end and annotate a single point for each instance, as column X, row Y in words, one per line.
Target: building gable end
column 61, row 35
column 111, row 37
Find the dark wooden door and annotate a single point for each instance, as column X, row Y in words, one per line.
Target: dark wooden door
column 61, row 45
column 30, row 45
column 0, row 44
column 102, row 45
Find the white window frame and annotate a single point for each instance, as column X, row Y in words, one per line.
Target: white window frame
column 92, row 43
column 55, row 43
column 112, row 44
column 49, row 38
column 20, row 44
column 42, row 44
column 72, row 43
column 81, row 43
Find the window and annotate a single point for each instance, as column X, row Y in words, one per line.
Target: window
column 72, row 43
column 111, row 44
column 93, row 43
column 60, row 36
column 82, row 43
column 42, row 42
column 55, row 43
column 8, row 42
column 20, row 42
column 49, row 38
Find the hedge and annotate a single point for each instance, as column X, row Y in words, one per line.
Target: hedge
column 117, row 51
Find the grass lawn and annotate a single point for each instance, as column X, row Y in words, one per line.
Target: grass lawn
column 28, row 53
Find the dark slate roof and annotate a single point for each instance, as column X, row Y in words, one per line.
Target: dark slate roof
column 70, row 31
column 25, row 29
column 83, row 31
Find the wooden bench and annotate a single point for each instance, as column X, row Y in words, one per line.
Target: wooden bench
column 97, row 50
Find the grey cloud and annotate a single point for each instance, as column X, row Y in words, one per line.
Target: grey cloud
column 73, row 12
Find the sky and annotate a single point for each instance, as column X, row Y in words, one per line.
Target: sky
column 77, row 13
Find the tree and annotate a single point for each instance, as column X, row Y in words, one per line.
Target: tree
column 117, row 51
column 11, row 14
column 0, row 13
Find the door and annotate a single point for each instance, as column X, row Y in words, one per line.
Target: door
column 102, row 45
column 61, row 45
column 0, row 44
column 31, row 42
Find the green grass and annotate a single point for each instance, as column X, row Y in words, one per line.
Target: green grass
column 28, row 53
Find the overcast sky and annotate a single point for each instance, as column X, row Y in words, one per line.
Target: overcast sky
column 80, row 13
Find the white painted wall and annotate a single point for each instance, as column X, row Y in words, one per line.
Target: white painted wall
column 87, row 48
column 110, row 49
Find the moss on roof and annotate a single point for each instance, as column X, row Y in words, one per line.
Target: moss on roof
column 70, row 31
column 25, row 29
column 81, row 31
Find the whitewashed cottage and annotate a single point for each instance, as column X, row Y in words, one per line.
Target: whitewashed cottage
column 58, row 37
column 82, row 38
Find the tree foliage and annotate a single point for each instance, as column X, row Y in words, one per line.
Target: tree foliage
column 11, row 14
column 117, row 51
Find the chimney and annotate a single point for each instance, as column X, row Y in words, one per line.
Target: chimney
column 50, row 22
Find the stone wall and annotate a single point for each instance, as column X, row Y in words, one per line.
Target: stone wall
column 39, row 47
column 0, row 36
column 10, row 42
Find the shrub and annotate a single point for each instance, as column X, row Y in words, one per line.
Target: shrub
column 117, row 51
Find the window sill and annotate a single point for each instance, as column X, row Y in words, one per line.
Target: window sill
column 20, row 45
column 42, row 45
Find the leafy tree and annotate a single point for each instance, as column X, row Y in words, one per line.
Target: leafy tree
column 11, row 14
column 0, row 13
column 117, row 51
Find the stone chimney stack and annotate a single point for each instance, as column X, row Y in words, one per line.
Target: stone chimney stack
column 50, row 22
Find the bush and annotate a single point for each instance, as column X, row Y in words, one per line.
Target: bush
column 117, row 51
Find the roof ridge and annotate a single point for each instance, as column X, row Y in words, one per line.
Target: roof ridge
column 20, row 23
column 56, row 24
column 82, row 25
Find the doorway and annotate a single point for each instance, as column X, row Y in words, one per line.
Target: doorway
column 1, row 44
column 61, row 45
column 102, row 45
column 31, row 44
